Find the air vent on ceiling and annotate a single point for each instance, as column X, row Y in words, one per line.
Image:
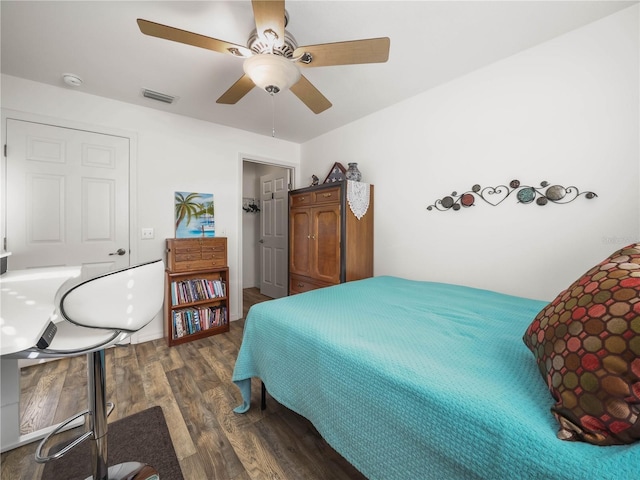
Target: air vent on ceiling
column 161, row 97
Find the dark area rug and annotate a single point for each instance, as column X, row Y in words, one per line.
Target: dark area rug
column 142, row 437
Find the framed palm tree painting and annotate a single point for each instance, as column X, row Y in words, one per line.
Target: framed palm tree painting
column 194, row 215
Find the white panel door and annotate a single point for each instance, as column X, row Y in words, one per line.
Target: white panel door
column 67, row 197
column 273, row 234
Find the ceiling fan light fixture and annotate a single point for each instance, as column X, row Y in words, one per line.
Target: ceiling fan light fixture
column 272, row 73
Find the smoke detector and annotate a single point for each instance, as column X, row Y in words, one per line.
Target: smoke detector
column 72, row 79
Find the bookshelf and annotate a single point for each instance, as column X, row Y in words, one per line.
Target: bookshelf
column 196, row 289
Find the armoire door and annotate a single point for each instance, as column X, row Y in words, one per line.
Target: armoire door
column 299, row 241
column 325, row 243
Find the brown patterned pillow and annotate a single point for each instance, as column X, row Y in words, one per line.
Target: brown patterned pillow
column 587, row 346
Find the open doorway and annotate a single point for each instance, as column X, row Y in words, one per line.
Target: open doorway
column 265, row 228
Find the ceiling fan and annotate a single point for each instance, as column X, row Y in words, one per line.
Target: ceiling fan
column 272, row 57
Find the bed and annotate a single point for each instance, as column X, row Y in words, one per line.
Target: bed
column 410, row 380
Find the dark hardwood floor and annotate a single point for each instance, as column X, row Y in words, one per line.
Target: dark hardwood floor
column 192, row 384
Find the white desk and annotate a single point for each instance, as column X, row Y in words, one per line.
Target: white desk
column 26, row 305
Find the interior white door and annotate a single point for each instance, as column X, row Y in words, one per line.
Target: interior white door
column 273, row 234
column 67, row 197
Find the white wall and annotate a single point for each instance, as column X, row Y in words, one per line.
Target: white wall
column 565, row 111
column 174, row 153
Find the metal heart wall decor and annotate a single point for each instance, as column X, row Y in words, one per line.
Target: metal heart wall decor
column 525, row 194
column 494, row 195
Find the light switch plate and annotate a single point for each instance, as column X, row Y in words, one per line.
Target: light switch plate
column 147, row 233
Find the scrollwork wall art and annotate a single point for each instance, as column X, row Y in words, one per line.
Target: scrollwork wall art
column 494, row 196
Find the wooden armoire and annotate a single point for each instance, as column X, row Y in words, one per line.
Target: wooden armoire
column 328, row 244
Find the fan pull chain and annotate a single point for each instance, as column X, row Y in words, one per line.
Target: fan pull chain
column 273, row 115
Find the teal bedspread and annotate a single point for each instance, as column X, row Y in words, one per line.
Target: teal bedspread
column 418, row 380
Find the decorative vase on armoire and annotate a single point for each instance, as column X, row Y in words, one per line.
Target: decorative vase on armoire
column 353, row 173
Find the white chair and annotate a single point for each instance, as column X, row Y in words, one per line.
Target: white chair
column 97, row 313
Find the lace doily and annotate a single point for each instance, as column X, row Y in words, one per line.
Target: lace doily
column 358, row 198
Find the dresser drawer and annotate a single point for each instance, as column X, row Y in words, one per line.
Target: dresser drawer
column 216, row 249
column 215, row 256
column 186, row 257
column 198, row 265
column 301, row 200
column 191, row 248
column 298, row 284
column 331, row 195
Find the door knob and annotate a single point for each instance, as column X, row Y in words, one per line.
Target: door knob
column 120, row 251
column 261, row 241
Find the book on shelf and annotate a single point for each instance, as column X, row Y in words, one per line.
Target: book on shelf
column 187, row 321
column 189, row 291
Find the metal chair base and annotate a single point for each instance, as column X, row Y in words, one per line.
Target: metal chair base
column 131, row 471
column 40, row 458
column 96, row 416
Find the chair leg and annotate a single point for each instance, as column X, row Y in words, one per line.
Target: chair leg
column 98, row 417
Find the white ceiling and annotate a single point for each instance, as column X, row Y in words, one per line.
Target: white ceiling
column 432, row 42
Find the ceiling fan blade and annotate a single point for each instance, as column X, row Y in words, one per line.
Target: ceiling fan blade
column 371, row 50
column 310, row 95
column 237, row 91
column 182, row 36
column 269, row 16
